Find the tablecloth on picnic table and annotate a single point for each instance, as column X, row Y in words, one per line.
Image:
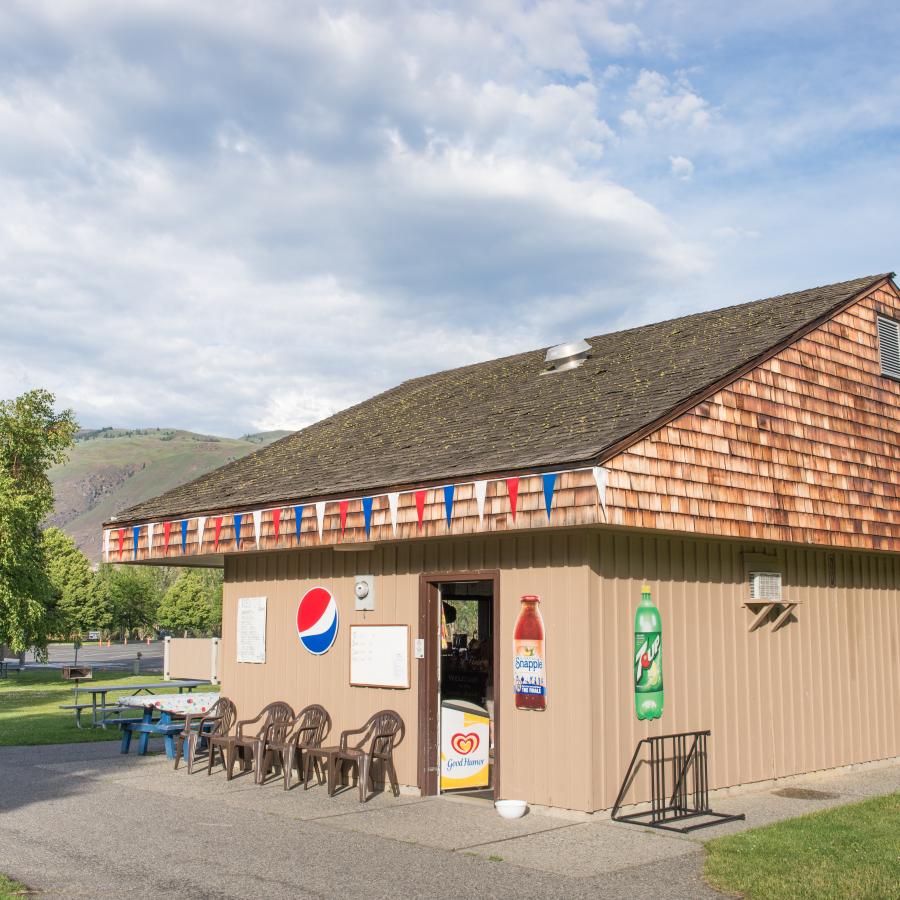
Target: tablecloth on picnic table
column 179, row 704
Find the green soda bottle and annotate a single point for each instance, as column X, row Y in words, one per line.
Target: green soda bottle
column 648, row 675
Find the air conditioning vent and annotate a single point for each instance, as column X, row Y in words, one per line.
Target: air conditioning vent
column 765, row 586
column 889, row 347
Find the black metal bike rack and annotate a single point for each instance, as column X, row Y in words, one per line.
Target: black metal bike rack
column 681, row 757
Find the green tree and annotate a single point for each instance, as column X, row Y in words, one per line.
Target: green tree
column 33, row 437
column 134, row 595
column 194, row 602
column 83, row 604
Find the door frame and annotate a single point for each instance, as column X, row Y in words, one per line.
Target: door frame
column 429, row 705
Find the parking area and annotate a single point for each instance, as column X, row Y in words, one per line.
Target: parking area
column 117, row 656
column 84, row 821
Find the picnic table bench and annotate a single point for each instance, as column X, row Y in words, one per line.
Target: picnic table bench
column 99, row 708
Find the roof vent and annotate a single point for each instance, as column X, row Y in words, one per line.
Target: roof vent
column 563, row 357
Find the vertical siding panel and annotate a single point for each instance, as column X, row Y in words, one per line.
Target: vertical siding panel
column 821, row 692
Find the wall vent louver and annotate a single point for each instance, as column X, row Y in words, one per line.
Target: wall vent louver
column 765, row 586
column 889, row 347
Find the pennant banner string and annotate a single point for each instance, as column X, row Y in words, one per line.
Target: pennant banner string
column 549, row 479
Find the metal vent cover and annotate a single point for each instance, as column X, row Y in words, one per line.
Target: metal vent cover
column 566, row 356
column 765, row 586
column 889, row 347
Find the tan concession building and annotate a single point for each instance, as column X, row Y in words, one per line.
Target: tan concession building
column 743, row 463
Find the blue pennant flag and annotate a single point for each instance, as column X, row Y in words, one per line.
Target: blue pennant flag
column 549, row 486
column 448, row 501
column 367, row 513
column 135, row 537
column 298, row 520
column 237, row 529
column 184, row 525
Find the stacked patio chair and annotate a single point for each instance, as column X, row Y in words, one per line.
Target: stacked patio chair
column 380, row 735
column 272, row 722
column 217, row 722
column 310, row 726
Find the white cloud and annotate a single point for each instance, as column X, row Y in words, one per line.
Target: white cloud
column 658, row 102
column 245, row 216
column 681, row 167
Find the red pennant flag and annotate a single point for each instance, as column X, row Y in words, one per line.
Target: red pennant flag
column 121, row 541
column 276, row 521
column 218, row 531
column 512, row 485
column 345, row 505
column 420, row 505
column 167, row 529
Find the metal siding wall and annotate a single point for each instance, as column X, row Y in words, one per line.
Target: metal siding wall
column 545, row 757
column 823, row 691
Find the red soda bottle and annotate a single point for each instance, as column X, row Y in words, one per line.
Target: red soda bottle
column 530, row 673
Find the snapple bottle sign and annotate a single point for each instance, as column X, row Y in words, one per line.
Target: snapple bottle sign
column 529, row 656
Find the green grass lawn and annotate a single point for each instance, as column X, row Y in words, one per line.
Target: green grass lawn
column 10, row 889
column 30, row 713
column 847, row 852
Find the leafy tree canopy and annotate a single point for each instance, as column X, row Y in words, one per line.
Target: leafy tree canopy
column 83, row 604
column 134, row 594
column 33, row 437
column 194, row 602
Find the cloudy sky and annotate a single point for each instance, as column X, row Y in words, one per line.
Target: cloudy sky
column 235, row 215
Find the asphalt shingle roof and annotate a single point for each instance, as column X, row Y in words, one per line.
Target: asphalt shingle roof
column 503, row 415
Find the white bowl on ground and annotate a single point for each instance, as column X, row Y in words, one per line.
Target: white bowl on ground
column 511, row 809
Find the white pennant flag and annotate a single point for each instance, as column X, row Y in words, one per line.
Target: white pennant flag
column 320, row 517
column 257, row 524
column 480, row 494
column 151, row 526
column 393, row 502
column 601, row 476
column 201, row 524
column 106, row 544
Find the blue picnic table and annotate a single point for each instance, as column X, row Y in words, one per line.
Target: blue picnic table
column 172, row 709
column 98, row 705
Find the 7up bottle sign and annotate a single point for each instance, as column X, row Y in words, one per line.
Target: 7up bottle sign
column 647, row 663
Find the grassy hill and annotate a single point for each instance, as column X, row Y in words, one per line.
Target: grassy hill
column 113, row 468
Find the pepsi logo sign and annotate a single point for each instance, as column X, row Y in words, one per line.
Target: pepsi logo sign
column 317, row 620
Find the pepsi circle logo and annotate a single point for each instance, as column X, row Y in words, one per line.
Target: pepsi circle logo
column 317, row 620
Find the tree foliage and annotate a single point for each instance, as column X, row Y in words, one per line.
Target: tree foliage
column 194, row 602
column 133, row 594
column 33, row 437
column 82, row 601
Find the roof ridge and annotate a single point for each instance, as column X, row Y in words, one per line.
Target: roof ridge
column 498, row 416
column 863, row 280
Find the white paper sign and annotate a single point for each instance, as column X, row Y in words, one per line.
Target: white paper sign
column 251, row 630
column 379, row 656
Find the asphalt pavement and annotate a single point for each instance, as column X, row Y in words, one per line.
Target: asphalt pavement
column 117, row 656
column 83, row 821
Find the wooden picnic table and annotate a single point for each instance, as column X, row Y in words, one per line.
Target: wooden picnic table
column 101, row 690
column 169, row 707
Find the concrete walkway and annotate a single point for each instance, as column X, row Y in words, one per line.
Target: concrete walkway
column 82, row 821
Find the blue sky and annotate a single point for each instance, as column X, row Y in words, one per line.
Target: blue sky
column 233, row 216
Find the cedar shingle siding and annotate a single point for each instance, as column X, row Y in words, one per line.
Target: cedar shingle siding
column 502, row 416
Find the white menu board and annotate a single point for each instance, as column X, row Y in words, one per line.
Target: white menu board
column 379, row 656
column 251, row 630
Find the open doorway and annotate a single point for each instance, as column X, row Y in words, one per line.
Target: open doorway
column 458, row 714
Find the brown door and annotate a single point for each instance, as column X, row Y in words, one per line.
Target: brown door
column 429, row 693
